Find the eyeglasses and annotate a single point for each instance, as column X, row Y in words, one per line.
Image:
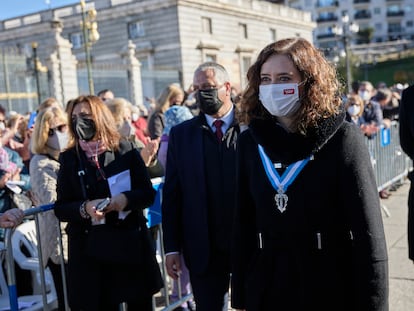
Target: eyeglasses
column 61, row 128
column 354, row 104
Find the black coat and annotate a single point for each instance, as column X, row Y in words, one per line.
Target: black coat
column 334, row 197
column 92, row 278
column 406, row 118
column 189, row 223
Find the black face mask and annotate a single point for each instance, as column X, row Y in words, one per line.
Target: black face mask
column 209, row 102
column 85, row 129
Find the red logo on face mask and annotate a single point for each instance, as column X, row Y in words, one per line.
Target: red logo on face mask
column 288, row 91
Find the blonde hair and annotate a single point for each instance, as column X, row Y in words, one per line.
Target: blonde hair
column 353, row 98
column 163, row 101
column 119, row 107
column 42, row 126
column 49, row 102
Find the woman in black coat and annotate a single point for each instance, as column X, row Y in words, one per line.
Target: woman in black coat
column 110, row 258
column 308, row 227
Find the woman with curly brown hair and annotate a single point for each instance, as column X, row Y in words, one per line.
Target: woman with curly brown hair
column 308, row 227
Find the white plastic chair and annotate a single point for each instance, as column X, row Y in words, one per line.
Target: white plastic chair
column 24, row 238
column 29, row 303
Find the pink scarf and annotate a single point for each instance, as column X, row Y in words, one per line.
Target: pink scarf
column 92, row 148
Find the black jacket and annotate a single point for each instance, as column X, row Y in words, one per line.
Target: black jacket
column 406, row 118
column 334, row 198
column 190, row 222
column 88, row 279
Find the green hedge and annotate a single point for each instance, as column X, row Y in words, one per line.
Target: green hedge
column 390, row 72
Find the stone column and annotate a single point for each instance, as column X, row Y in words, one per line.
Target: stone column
column 134, row 75
column 62, row 65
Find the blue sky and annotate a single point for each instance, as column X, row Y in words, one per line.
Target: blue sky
column 13, row 8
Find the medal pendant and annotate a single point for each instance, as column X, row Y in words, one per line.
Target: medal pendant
column 281, row 200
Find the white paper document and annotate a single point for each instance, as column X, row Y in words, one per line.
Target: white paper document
column 120, row 183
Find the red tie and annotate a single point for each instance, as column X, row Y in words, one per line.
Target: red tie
column 219, row 133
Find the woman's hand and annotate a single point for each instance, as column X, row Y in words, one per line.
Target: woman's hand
column 4, row 179
column 90, row 208
column 117, row 204
column 150, row 150
column 11, row 218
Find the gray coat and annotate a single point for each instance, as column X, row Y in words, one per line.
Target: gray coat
column 43, row 173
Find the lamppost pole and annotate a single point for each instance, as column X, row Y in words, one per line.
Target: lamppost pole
column 86, row 44
column 345, row 33
column 90, row 35
column 36, row 71
column 347, row 63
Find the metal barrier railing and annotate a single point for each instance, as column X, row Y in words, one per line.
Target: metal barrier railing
column 11, row 276
column 154, row 219
column 391, row 165
column 389, row 162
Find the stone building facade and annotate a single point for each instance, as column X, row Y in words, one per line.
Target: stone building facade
column 169, row 37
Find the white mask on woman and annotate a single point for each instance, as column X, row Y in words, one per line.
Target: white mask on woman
column 281, row 100
column 353, row 110
column 134, row 116
column 127, row 129
column 365, row 95
column 58, row 141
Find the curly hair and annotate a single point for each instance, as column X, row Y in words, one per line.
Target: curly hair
column 105, row 124
column 321, row 91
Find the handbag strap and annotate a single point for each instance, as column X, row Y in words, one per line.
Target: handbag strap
column 81, row 173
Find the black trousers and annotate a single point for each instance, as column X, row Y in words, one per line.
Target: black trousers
column 211, row 288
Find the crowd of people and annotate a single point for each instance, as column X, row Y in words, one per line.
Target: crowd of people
column 270, row 189
column 372, row 109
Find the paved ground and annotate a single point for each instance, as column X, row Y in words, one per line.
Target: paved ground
column 401, row 269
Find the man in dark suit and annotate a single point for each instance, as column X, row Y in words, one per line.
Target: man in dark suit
column 407, row 144
column 198, row 194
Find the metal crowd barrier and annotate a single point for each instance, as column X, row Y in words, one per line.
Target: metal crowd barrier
column 391, row 165
column 389, row 161
column 10, row 270
column 154, row 215
column 154, row 219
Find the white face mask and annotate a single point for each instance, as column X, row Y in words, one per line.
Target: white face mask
column 127, row 129
column 353, row 110
column 134, row 116
column 2, row 126
column 281, row 100
column 365, row 95
column 58, row 141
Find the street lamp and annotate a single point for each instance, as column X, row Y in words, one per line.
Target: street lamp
column 37, row 67
column 90, row 36
column 345, row 33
